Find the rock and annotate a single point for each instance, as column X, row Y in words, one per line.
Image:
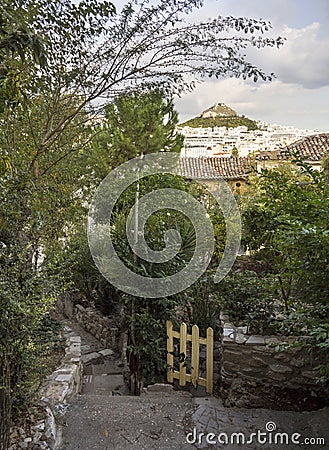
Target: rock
column 160, row 387
column 91, row 358
column 278, row 368
column 106, row 352
column 309, row 374
column 63, row 377
column 37, row 436
column 14, row 435
column 255, row 340
column 276, row 376
column 255, row 361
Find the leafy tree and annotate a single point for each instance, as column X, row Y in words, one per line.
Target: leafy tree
column 287, row 220
column 21, row 50
column 326, row 167
column 249, row 300
column 286, row 224
column 38, row 204
column 145, row 318
column 56, row 59
column 94, row 53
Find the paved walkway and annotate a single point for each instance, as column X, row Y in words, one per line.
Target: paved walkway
column 104, row 417
column 272, row 429
column 99, row 422
column 176, row 421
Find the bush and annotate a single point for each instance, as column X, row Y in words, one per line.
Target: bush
column 248, row 299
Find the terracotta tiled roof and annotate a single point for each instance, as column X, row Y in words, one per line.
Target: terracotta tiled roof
column 212, row 168
column 311, row 148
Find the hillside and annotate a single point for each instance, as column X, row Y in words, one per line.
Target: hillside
column 220, row 115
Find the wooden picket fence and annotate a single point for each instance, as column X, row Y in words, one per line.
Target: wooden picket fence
column 196, row 340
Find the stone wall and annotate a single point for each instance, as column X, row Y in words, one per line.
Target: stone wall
column 99, row 326
column 58, row 390
column 259, row 368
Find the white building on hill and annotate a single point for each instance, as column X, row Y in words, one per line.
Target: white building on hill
column 221, row 141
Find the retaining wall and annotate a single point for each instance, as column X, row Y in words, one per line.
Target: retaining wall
column 59, row 388
column 91, row 320
column 255, row 369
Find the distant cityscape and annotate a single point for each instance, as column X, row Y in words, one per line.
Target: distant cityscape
column 239, row 141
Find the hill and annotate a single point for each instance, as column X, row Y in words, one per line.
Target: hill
column 220, row 115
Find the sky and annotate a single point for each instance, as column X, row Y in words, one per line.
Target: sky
column 299, row 96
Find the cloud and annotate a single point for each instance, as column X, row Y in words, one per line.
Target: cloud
column 299, row 94
column 276, row 102
column 303, row 59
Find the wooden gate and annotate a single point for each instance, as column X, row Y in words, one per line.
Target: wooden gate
column 196, row 340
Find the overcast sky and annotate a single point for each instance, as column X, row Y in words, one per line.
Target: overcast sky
column 299, row 95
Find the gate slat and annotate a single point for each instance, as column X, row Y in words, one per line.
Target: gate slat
column 182, row 350
column 210, row 360
column 195, row 355
column 170, row 350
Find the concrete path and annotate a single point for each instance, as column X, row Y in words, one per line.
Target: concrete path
column 176, row 421
column 99, row 422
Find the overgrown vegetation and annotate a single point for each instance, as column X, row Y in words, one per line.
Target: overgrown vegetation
column 286, row 227
column 56, row 59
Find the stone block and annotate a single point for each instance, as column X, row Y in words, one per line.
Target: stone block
column 75, row 360
column 160, row 387
column 40, row 426
column 91, row 357
column 263, row 349
column 227, row 340
column 230, row 367
column 255, row 340
column 256, row 361
column 106, row 352
column 74, row 349
column 274, row 340
column 310, row 374
column 230, row 332
column 63, row 377
column 285, row 357
column 279, row 368
column 224, row 317
column 236, row 351
column 252, row 372
column 276, row 376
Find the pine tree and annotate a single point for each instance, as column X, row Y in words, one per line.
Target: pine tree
column 136, row 124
